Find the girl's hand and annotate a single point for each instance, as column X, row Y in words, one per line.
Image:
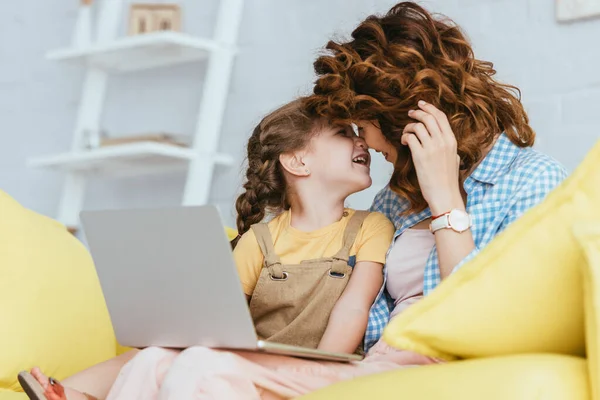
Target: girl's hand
column 433, row 147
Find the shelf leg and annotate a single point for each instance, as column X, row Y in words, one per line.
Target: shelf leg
column 71, row 200
column 213, row 104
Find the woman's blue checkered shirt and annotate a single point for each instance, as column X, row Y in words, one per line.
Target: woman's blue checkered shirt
column 508, row 182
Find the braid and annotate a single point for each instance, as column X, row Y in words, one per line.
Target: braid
column 265, row 190
column 264, row 187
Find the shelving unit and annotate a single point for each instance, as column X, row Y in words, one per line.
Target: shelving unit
column 133, row 159
column 134, row 53
column 108, row 54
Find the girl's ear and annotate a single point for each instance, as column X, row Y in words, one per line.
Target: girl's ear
column 292, row 163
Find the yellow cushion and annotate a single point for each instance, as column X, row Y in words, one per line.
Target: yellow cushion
column 521, row 377
column 10, row 395
column 53, row 312
column 588, row 235
column 231, row 233
column 521, row 294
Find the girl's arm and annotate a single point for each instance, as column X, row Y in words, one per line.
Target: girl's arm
column 248, row 261
column 349, row 317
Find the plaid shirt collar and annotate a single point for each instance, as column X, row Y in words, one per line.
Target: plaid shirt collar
column 496, row 162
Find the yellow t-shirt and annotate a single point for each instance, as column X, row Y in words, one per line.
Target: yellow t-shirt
column 293, row 246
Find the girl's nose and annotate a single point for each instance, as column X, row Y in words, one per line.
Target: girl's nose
column 360, row 142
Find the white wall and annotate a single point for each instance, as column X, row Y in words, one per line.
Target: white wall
column 556, row 66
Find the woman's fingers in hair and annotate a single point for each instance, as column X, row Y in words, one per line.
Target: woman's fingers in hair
column 440, row 117
column 419, row 130
column 428, row 120
column 410, row 140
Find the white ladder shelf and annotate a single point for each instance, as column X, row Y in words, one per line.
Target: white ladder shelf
column 109, row 54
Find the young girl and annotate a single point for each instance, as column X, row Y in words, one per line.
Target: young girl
column 310, row 275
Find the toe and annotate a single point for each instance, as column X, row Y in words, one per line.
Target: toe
column 56, row 392
column 40, row 377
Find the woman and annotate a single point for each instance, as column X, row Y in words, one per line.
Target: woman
column 463, row 164
column 460, row 143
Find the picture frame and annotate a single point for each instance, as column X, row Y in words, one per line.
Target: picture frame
column 573, row 10
column 146, row 18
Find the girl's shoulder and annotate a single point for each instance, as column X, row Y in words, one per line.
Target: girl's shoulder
column 374, row 220
column 275, row 224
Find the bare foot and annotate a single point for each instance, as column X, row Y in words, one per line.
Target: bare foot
column 52, row 392
column 56, row 391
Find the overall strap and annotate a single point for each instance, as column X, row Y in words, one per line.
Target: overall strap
column 350, row 233
column 265, row 242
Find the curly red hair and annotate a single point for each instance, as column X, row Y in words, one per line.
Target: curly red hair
column 407, row 55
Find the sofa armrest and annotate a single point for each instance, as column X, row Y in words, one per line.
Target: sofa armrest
column 521, row 377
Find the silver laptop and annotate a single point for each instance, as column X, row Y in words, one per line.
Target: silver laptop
column 169, row 280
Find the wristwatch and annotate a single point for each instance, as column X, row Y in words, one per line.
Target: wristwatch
column 457, row 220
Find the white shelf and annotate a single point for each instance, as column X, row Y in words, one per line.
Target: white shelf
column 126, row 160
column 139, row 52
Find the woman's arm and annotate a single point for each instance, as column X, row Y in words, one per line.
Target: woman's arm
column 433, row 148
column 349, row 317
column 452, row 246
column 434, row 152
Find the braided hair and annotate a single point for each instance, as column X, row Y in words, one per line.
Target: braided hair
column 287, row 129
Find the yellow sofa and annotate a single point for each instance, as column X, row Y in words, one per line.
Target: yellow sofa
column 52, row 310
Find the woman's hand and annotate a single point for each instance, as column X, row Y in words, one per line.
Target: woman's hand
column 433, row 147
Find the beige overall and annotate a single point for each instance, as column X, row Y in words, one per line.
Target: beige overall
column 291, row 303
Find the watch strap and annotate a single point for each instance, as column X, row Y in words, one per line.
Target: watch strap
column 440, row 222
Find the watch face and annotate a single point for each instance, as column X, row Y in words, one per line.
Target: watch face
column 459, row 220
